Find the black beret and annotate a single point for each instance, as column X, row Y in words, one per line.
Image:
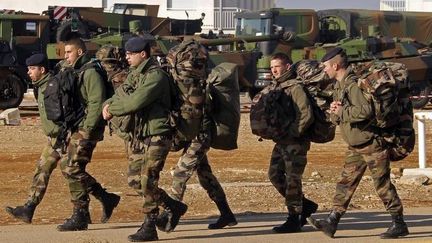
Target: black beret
column 333, row 52
column 136, row 44
column 38, row 59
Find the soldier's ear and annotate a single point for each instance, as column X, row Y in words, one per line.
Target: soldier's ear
column 80, row 51
column 43, row 70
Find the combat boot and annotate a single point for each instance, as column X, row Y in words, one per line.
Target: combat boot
column 147, row 232
column 78, row 220
column 24, row 213
column 226, row 218
column 109, row 201
column 329, row 225
column 309, row 208
column 170, row 217
column 397, row 229
column 291, row 225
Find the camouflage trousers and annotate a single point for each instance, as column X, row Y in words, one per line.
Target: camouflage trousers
column 194, row 158
column 146, row 160
column 287, row 164
column 44, row 167
column 376, row 159
column 78, row 155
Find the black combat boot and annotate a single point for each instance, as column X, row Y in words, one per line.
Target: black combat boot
column 226, row 218
column 397, row 229
column 171, row 214
column 147, row 232
column 291, row 225
column 328, row 225
column 24, row 213
column 78, row 220
column 109, row 201
column 309, row 208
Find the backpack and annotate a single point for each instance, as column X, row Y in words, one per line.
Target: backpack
column 315, row 81
column 62, row 98
column 223, row 105
column 271, row 111
column 113, row 60
column 187, row 66
column 386, row 84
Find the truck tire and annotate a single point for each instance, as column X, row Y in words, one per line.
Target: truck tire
column 419, row 94
column 12, row 90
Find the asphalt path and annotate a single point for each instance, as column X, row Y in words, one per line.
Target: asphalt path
column 356, row 226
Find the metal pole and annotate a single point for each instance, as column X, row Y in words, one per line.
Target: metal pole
column 422, row 143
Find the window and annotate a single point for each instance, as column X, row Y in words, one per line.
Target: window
column 182, row 4
column 299, row 24
column 24, row 28
column 253, row 27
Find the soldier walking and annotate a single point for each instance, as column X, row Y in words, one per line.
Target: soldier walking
column 194, row 158
column 366, row 149
column 288, row 159
column 150, row 104
column 81, row 144
column 39, row 74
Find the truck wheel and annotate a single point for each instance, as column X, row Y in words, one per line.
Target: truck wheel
column 12, row 90
column 419, row 94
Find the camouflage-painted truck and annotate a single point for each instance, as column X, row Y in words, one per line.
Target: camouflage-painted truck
column 366, row 35
column 22, row 34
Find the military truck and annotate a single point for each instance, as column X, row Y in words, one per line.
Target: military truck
column 316, row 32
column 22, row 34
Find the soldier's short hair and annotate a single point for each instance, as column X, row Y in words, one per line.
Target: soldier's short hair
column 283, row 57
column 78, row 42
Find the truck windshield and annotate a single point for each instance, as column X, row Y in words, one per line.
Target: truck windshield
column 253, row 27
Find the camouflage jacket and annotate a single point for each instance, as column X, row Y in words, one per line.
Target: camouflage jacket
column 48, row 127
column 151, row 99
column 356, row 111
column 303, row 109
column 93, row 94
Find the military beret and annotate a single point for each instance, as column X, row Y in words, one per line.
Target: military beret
column 333, row 52
column 136, row 44
column 38, row 59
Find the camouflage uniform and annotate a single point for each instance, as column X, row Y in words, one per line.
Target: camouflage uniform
column 365, row 149
column 149, row 147
column 288, row 159
column 82, row 143
column 194, row 158
column 49, row 157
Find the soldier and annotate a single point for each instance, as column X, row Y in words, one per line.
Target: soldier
column 152, row 136
column 288, row 159
column 38, row 72
column 81, row 143
column 194, row 158
column 366, row 149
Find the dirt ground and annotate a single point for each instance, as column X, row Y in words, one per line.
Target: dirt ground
column 242, row 172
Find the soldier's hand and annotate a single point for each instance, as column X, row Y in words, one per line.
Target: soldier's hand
column 106, row 114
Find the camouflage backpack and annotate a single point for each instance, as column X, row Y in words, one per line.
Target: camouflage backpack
column 316, row 82
column 272, row 111
column 187, row 65
column 386, row 85
column 113, row 59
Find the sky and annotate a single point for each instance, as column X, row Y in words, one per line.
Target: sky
column 328, row 4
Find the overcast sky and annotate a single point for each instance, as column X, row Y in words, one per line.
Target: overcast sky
column 328, row 4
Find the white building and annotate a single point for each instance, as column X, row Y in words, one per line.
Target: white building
column 219, row 14
column 406, row 5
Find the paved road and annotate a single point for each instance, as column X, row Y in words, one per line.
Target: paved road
column 356, row 226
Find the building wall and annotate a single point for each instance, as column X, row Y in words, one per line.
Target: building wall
column 406, row 5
